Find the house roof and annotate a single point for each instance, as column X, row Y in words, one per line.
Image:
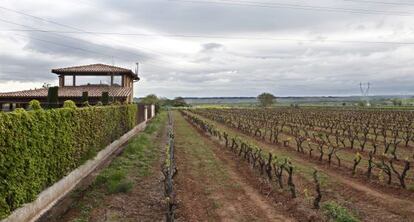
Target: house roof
column 72, row 92
column 95, row 69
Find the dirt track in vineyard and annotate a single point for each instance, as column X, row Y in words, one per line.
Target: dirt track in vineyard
column 209, row 186
column 373, row 204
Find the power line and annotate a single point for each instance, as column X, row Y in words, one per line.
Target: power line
column 218, row 37
column 51, row 42
column 68, row 46
column 68, row 26
column 298, row 7
column 379, row 2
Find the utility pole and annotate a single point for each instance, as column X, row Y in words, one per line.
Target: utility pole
column 365, row 87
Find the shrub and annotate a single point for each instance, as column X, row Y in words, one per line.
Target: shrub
column 69, row 104
column 86, row 104
column 338, row 213
column 35, row 105
column 39, row 148
column 105, row 98
column 53, row 97
column 85, row 97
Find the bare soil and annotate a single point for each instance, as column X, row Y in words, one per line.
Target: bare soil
column 367, row 200
column 210, row 186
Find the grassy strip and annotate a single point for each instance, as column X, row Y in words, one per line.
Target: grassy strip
column 121, row 175
column 338, row 213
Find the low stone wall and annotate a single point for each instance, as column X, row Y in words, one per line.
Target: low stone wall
column 50, row 196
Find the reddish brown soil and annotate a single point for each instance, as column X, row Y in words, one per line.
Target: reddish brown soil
column 226, row 195
column 366, row 199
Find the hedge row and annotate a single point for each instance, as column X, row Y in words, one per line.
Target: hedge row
column 37, row 148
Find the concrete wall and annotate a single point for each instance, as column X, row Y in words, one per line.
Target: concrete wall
column 152, row 110
column 146, row 113
column 49, row 197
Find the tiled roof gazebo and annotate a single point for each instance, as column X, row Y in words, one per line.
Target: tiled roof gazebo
column 118, row 82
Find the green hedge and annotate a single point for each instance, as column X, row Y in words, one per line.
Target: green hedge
column 37, row 148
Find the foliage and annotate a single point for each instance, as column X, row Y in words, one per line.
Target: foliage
column 163, row 102
column 150, row 99
column 35, row 105
column 132, row 165
column 105, row 98
column 39, row 148
column 69, row 104
column 266, row 99
column 176, row 102
column 179, row 102
column 52, row 97
column 86, row 104
column 397, row 102
column 338, row 213
column 85, row 97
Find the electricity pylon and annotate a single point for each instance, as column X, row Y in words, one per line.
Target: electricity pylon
column 365, row 87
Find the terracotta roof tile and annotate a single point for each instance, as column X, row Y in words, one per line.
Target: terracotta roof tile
column 72, row 91
column 102, row 69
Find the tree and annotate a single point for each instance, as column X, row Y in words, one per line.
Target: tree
column 179, row 102
column 52, row 97
column 105, row 98
column 150, row 99
column 397, row 102
column 266, row 99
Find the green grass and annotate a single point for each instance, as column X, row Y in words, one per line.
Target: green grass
column 133, row 164
column 337, row 213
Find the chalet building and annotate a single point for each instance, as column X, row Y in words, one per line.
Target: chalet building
column 94, row 79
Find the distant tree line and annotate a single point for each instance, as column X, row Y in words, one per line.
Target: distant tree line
column 164, row 102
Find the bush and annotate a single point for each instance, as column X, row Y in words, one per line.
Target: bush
column 69, row 104
column 338, row 213
column 39, row 148
column 105, row 98
column 86, row 104
column 53, row 97
column 35, row 105
column 85, row 97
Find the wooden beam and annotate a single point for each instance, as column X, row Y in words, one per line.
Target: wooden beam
column 112, row 80
column 61, row 80
column 74, row 80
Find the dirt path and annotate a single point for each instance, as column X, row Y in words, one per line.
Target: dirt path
column 209, row 188
column 379, row 205
column 144, row 200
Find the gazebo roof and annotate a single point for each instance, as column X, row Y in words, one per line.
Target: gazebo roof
column 95, row 69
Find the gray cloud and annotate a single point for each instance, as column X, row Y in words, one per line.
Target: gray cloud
column 267, row 55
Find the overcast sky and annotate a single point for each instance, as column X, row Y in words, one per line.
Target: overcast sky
column 215, row 47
